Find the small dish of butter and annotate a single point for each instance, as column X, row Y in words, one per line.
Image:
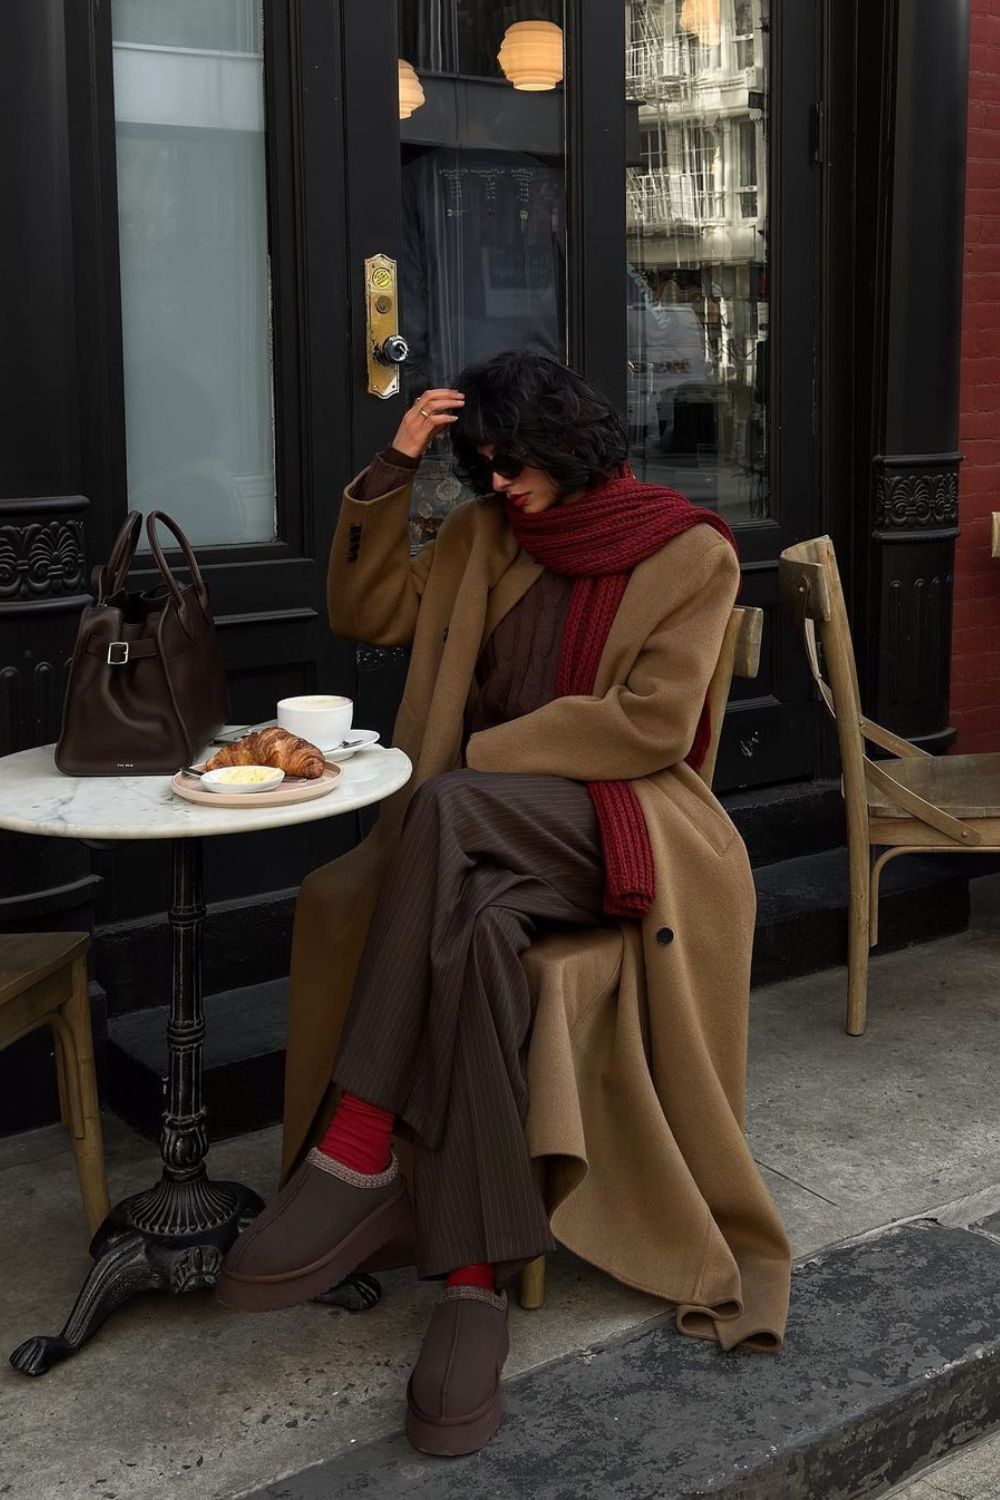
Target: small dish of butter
column 243, row 779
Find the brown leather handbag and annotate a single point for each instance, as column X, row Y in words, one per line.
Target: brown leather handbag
column 146, row 689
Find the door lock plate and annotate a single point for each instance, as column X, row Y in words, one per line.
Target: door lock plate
column 386, row 349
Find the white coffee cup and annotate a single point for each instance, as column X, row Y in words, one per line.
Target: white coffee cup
column 322, row 718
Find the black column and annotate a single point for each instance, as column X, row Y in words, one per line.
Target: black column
column 54, row 446
column 911, row 144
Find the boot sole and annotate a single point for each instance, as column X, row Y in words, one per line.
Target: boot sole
column 454, row 1437
column 289, row 1288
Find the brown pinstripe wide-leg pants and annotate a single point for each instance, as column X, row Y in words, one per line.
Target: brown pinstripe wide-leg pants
column 439, row 1021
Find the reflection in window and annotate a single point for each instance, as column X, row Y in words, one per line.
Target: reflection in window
column 696, row 286
column 746, row 167
column 482, row 264
column 743, row 32
column 189, row 112
column 464, row 36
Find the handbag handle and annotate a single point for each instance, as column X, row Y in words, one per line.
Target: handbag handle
column 107, row 578
column 152, row 519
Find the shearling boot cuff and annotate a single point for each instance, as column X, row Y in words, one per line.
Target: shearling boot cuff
column 475, row 1294
column 317, row 1158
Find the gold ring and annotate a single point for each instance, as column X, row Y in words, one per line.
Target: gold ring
column 425, row 413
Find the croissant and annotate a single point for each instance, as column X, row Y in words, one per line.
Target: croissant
column 272, row 747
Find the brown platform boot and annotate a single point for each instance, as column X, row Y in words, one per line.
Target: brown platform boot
column 453, row 1398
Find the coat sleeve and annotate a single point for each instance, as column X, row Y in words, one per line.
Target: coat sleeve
column 643, row 725
column 374, row 585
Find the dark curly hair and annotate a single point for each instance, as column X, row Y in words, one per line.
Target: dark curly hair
column 534, row 408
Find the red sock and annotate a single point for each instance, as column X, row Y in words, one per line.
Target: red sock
column 480, row 1275
column 358, row 1135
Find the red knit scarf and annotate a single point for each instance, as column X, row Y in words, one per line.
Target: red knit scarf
column 597, row 540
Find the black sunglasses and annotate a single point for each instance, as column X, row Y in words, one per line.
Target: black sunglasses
column 507, row 465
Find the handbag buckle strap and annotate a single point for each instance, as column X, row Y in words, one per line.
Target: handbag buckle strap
column 122, row 653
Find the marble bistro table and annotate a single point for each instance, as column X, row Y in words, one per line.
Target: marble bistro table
column 171, row 1236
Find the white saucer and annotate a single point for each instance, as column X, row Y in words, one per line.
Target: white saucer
column 339, row 753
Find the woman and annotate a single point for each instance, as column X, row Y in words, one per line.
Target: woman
column 564, row 630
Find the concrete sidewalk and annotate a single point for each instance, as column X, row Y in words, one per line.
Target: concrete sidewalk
column 178, row 1398
column 971, row 1474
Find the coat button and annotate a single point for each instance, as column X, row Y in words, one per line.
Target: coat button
column 665, row 936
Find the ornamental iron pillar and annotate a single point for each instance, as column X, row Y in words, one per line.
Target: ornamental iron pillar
column 912, row 97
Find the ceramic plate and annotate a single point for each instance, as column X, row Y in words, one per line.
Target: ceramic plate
column 291, row 789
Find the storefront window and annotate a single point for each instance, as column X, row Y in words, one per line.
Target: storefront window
column 696, row 284
column 189, row 110
column 483, row 260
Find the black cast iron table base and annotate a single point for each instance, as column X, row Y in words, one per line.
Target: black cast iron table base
column 129, row 1259
column 172, row 1237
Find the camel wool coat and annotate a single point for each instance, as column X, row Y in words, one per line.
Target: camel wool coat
column 637, row 1058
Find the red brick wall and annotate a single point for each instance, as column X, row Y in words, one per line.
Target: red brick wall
column 975, row 692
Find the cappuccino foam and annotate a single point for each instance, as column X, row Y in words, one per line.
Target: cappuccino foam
column 317, row 700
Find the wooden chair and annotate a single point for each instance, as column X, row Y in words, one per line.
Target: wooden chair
column 43, row 982
column 739, row 657
column 910, row 803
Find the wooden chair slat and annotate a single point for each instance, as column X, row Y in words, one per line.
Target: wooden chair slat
column 804, row 589
column 739, row 656
column 746, row 661
column 886, row 740
column 900, row 831
column 27, row 957
column 966, row 786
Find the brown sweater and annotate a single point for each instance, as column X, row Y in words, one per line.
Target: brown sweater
column 387, row 471
column 516, row 670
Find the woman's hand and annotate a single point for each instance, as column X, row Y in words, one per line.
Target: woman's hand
column 430, row 414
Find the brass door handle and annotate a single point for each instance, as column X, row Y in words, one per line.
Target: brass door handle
column 392, row 351
column 387, row 348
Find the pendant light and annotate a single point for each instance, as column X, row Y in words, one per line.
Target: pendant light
column 411, row 93
column 531, row 55
column 703, row 19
